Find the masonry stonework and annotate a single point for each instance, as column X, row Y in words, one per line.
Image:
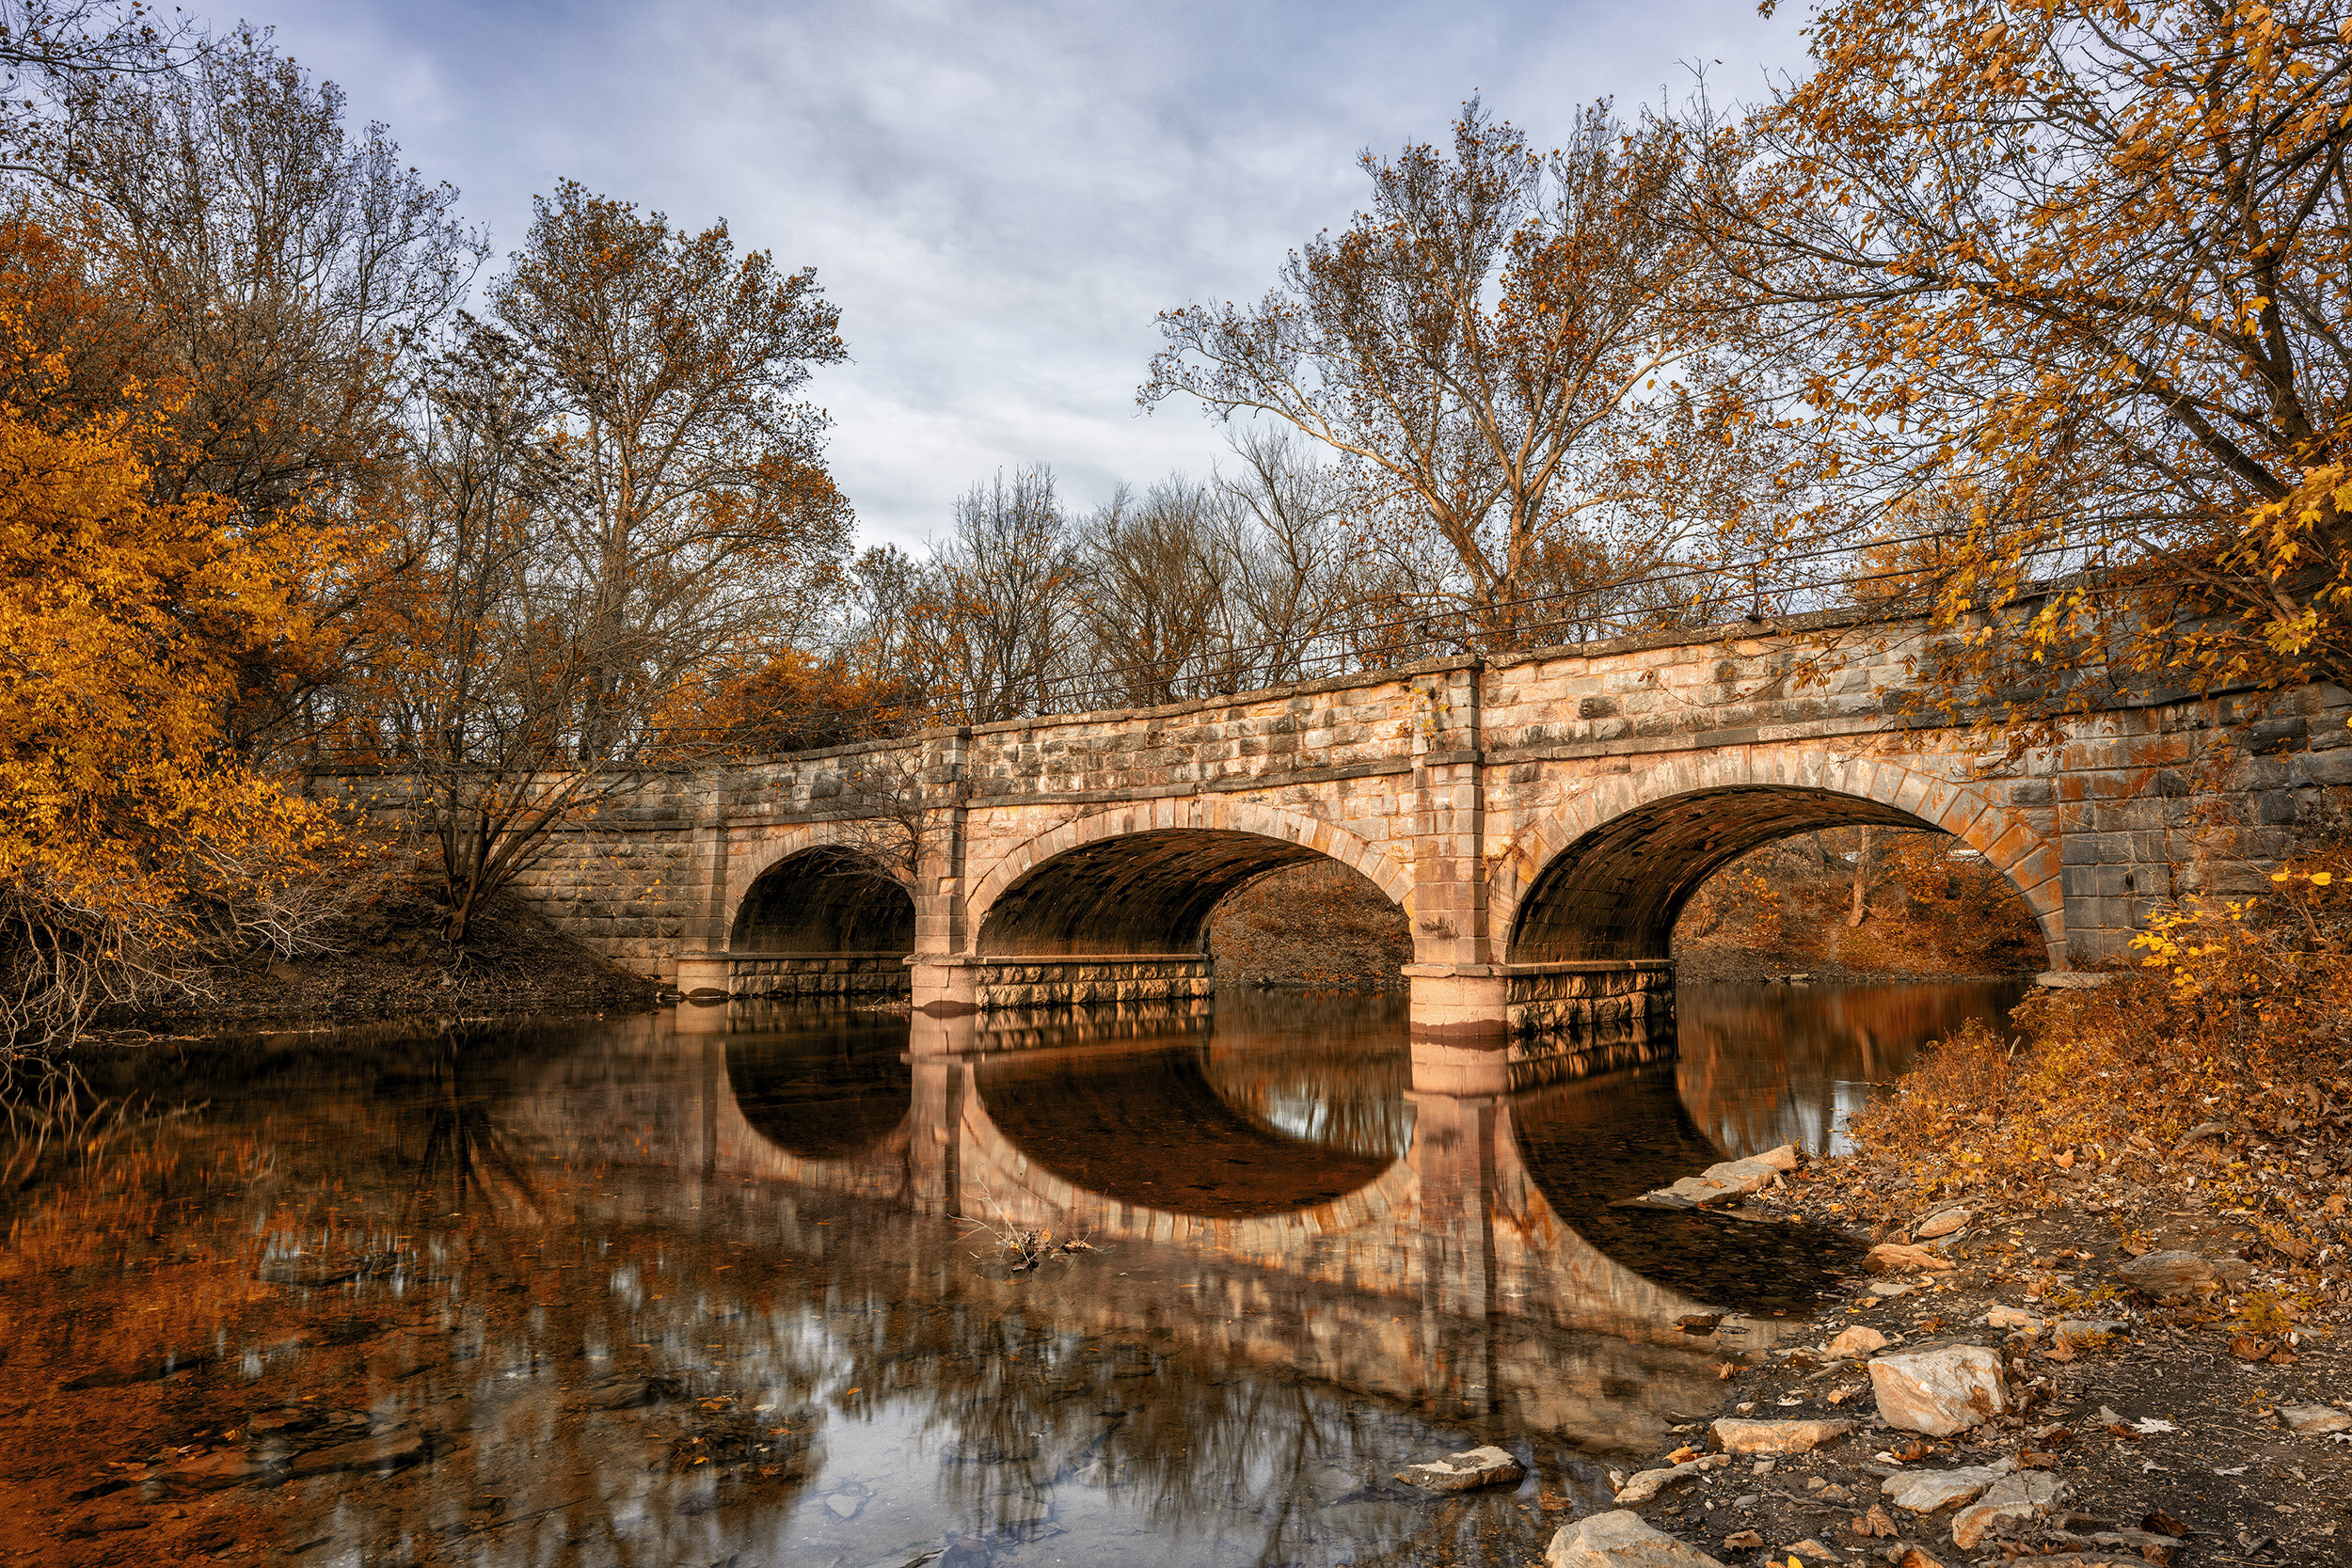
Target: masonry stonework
column 1540, row 820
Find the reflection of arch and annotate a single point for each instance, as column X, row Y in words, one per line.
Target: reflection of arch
column 1144, row 879
column 1148, row 1128
column 834, row 1089
column 1585, row 1145
column 1607, row 876
column 823, row 898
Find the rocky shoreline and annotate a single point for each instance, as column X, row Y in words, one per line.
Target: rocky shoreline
column 2091, row 1382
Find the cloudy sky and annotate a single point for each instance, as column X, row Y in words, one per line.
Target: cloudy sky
column 999, row 196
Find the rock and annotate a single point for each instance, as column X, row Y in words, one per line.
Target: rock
column 1885, row 1289
column 1942, row 1223
column 2068, row 980
column 844, row 1505
column 1620, row 1540
column 2013, row 1500
column 1896, row 1258
column 1811, row 1550
column 221, row 1468
column 2010, row 1317
column 2314, row 1418
column 1859, row 1340
column 2199, row 1132
column 388, row 1452
column 1464, row 1471
column 2074, row 1332
column 1723, row 1182
column 1644, row 1484
column 1926, row 1491
column 2169, row 1273
column 1784, row 1159
column 1738, row 1437
column 1939, row 1390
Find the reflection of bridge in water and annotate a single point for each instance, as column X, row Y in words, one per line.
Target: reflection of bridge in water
column 1270, row 1193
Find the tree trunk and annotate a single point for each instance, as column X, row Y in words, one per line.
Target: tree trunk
column 1861, row 880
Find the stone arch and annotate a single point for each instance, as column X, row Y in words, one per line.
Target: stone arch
column 1172, row 859
column 815, row 889
column 1606, row 876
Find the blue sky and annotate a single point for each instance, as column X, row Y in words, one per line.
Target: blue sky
column 998, row 197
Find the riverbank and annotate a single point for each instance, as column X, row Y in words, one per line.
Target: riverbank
column 2120, row 1269
column 389, row 960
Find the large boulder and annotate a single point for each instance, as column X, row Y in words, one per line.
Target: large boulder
column 1926, row 1491
column 1465, row 1471
column 2011, row 1500
column 2169, row 1275
column 1620, row 1540
column 1938, row 1389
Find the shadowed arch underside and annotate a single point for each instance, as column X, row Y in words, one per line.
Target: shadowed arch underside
column 1615, row 891
column 1135, row 893
column 824, row 900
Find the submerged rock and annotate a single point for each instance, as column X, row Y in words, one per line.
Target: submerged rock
column 1803, row 1436
column 1621, row 1540
column 1939, row 1390
column 1464, row 1471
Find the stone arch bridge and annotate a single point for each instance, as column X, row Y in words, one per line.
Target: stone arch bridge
column 1540, row 820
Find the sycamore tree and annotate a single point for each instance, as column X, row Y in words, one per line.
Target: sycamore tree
column 1492, row 346
column 2067, row 280
column 620, row 510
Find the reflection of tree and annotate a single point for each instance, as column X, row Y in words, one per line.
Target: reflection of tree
column 1756, row 1068
column 1342, row 1094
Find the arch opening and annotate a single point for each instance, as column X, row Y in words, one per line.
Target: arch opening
column 824, row 900
column 1616, row 892
column 1145, row 892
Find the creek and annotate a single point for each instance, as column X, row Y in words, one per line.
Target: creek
column 735, row 1286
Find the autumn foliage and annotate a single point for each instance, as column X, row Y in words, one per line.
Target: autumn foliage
column 132, row 842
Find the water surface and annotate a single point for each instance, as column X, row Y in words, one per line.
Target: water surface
column 729, row 1285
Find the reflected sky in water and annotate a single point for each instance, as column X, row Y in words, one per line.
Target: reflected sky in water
column 730, row 1286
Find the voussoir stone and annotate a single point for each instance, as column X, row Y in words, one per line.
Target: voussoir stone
column 1926, row 1491
column 1621, row 1539
column 1859, row 1340
column 2314, row 1417
column 1803, row 1436
column 1465, row 1471
column 1939, row 1389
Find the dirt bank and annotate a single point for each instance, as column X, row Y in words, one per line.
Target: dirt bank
column 389, row 960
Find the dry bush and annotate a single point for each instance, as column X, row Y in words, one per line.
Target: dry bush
column 2239, row 1017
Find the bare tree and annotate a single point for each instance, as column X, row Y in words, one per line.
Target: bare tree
column 997, row 617
column 1481, row 344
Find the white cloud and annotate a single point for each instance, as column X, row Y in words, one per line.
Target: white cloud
column 999, row 196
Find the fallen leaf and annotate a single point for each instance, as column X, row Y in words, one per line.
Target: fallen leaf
column 1742, row 1540
column 2161, row 1523
column 1726, row 1369
column 2152, row 1424
column 2064, row 1162
column 1874, row 1523
column 2059, row 1351
column 2034, row 1459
